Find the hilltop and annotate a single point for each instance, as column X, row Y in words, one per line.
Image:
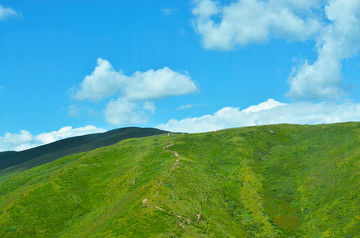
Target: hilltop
column 12, row 160
column 264, row 181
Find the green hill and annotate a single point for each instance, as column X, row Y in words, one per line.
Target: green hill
column 266, row 181
column 11, row 160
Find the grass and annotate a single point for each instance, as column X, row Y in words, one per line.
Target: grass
column 300, row 181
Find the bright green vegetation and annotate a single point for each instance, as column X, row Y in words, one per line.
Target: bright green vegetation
column 266, row 181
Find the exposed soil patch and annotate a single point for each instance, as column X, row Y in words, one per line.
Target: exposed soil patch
column 198, row 216
column 165, row 147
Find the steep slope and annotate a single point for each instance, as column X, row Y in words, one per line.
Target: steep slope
column 50, row 152
column 267, row 181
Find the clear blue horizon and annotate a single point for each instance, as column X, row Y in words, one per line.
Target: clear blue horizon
column 75, row 67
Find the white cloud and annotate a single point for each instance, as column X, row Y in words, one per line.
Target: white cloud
column 6, row 13
column 149, row 106
column 25, row 140
column 269, row 112
column 187, row 106
column 245, row 22
column 158, row 84
column 152, row 84
column 334, row 25
column 102, row 83
column 73, row 110
column 122, row 112
column 270, row 103
column 133, row 105
column 169, row 11
column 337, row 41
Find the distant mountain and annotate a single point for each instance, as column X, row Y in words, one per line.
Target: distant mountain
column 49, row 152
column 264, row 181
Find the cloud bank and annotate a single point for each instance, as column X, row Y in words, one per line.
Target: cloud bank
column 268, row 112
column 334, row 25
column 6, row 13
column 25, row 140
column 135, row 93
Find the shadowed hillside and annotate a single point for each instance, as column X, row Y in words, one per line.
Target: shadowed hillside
column 266, row 181
column 49, row 152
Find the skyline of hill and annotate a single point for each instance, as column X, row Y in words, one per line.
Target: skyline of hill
column 65, row 147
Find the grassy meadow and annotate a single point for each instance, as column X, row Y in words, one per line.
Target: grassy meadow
column 264, row 181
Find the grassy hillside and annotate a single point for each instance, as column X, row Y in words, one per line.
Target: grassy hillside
column 12, row 161
column 267, row 181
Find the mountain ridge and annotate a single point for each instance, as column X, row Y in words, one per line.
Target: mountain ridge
column 68, row 146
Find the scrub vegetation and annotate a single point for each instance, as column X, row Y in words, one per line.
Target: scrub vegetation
column 264, row 181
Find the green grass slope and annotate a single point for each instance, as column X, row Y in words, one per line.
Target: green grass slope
column 12, row 161
column 266, row 181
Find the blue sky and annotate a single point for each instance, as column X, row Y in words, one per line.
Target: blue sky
column 75, row 67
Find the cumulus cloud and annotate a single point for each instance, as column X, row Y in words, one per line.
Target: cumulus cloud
column 6, row 13
column 270, row 103
column 158, row 84
column 134, row 93
column 339, row 40
column 105, row 81
column 334, row 25
column 269, row 112
column 122, row 112
column 25, row 140
column 252, row 21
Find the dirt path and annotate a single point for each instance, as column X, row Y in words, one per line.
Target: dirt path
column 146, row 203
column 176, row 154
column 176, row 164
column 198, row 217
column 165, row 147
